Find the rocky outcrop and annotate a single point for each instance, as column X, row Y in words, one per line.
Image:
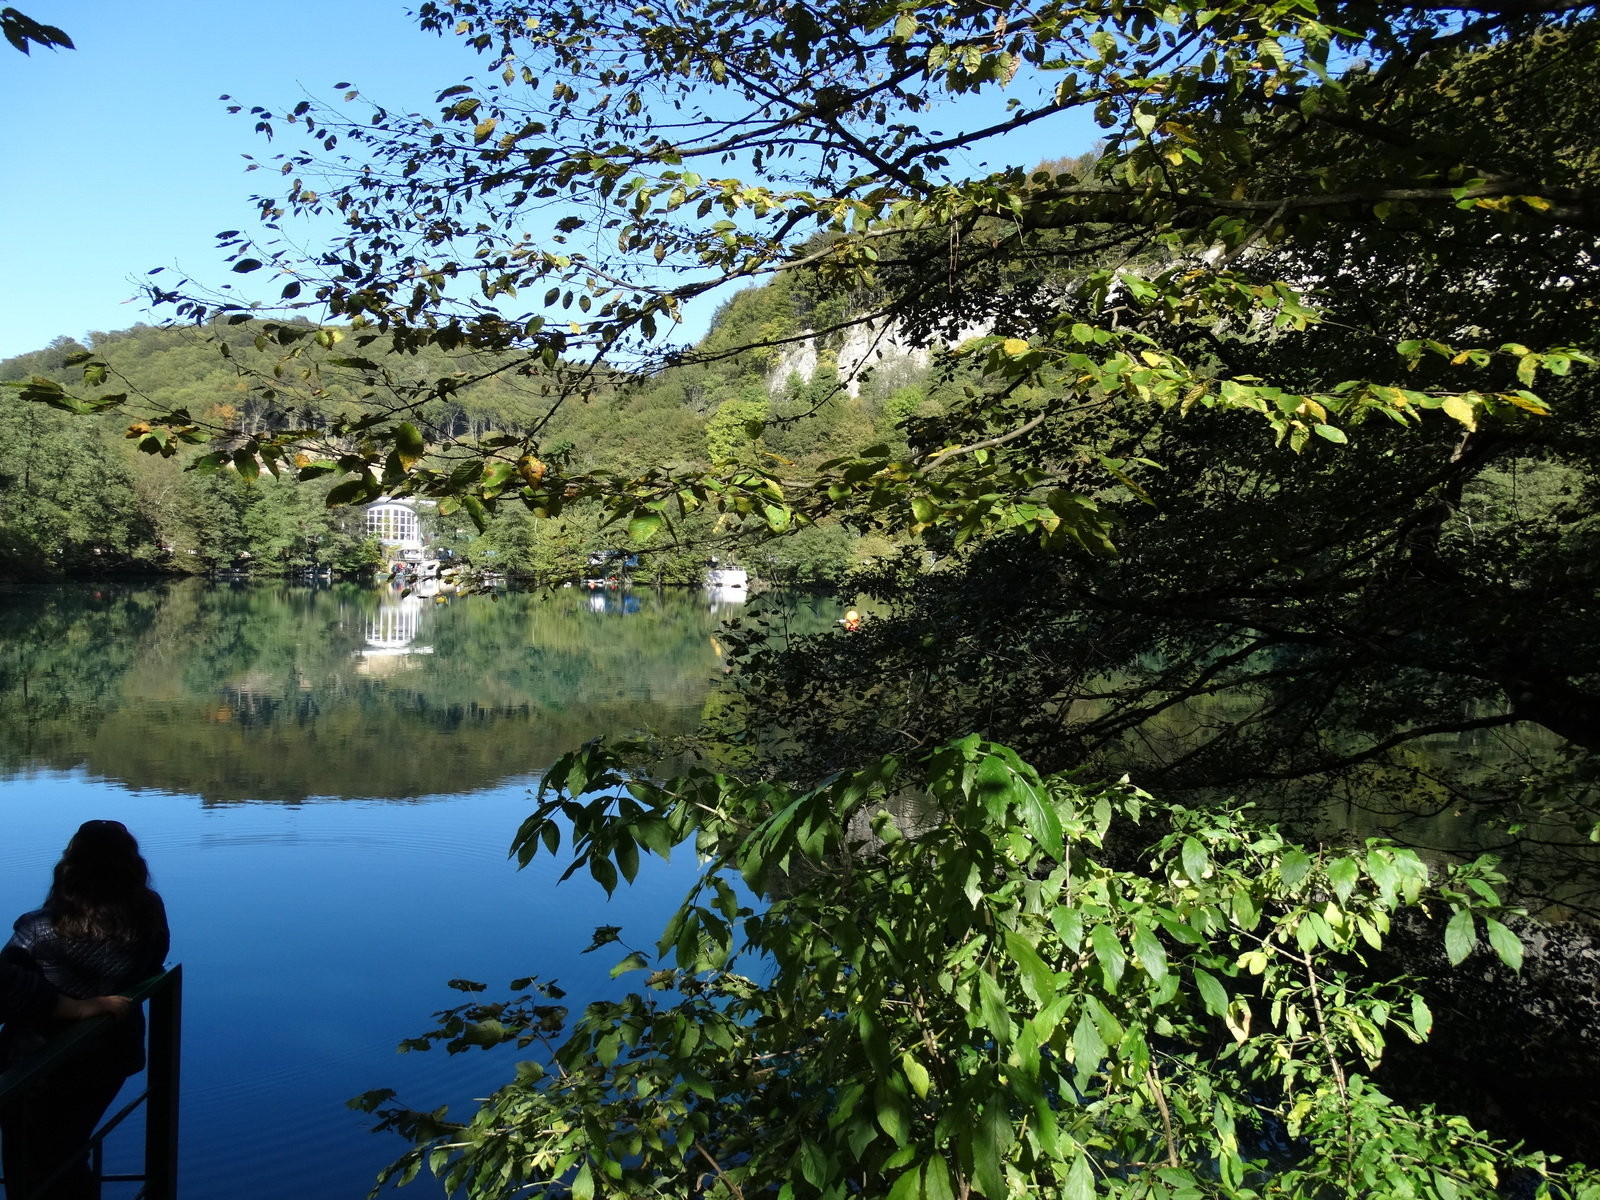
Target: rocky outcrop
column 869, row 350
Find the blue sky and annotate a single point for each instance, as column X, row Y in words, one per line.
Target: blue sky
column 118, row 157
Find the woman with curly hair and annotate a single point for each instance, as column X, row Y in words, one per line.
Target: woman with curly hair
column 101, row 930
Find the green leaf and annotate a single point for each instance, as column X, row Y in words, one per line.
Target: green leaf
column 1462, row 410
column 1460, row 936
column 1080, row 1180
column 1342, row 874
column 875, row 1042
column 1038, row 980
column 1421, row 1015
column 634, row 962
column 1087, row 1044
column 992, row 1008
column 916, row 1075
column 1068, row 923
column 1293, row 867
column 315, row 470
column 583, row 1184
column 1109, row 951
column 699, row 1084
column 642, row 528
column 891, row 1113
column 1039, row 815
column 1212, row 994
column 908, row 1186
column 1506, row 944
column 1152, row 956
column 991, row 1142
column 408, row 444
column 351, row 491
column 813, row 1163
column 936, row 1180
column 1195, row 860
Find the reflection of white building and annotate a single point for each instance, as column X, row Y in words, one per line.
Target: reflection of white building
column 393, row 628
column 733, row 579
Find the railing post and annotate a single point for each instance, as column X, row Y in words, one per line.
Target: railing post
column 161, row 1113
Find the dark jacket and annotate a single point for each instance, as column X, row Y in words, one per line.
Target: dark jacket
column 24, row 993
column 80, row 967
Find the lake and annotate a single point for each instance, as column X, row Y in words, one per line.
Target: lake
column 324, row 782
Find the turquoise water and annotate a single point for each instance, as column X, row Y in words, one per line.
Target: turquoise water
column 329, row 827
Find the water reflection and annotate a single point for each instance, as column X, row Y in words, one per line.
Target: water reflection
column 278, row 692
column 725, row 602
column 393, row 628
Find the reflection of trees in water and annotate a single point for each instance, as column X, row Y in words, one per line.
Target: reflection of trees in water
column 264, row 692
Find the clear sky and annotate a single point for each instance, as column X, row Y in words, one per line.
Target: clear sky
column 118, row 157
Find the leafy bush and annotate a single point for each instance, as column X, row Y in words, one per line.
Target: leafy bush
column 961, row 978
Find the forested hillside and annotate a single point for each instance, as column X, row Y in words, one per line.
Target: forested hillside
column 76, row 494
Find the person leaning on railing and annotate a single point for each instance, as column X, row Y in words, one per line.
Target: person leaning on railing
column 101, row 930
column 26, row 994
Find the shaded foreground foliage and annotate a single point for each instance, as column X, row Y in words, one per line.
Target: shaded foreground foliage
column 930, row 979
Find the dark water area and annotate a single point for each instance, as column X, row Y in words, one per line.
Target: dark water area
column 325, row 782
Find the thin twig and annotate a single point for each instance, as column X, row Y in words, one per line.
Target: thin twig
column 940, row 455
column 1166, row 1116
column 721, row 1174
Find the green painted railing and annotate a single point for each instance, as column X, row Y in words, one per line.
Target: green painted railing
column 160, row 1096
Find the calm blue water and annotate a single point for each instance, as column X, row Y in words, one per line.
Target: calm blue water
column 316, row 933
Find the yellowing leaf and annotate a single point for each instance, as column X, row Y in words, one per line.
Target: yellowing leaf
column 1461, row 409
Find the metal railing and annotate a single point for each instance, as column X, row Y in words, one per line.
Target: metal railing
column 160, row 1095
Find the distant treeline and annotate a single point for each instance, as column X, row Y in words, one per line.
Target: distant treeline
column 77, row 497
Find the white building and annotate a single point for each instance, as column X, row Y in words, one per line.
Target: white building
column 394, row 524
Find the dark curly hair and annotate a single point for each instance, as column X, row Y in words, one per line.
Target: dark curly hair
column 101, row 887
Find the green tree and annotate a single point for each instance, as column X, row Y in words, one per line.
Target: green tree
column 66, row 502
column 1326, row 284
column 1231, row 139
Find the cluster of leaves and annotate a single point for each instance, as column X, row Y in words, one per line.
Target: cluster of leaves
column 933, row 979
column 23, row 32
